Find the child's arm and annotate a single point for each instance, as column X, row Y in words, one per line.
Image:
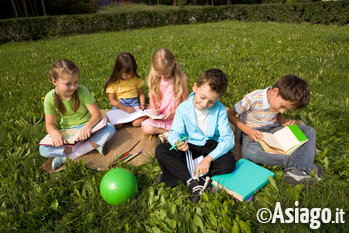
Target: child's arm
column 284, row 122
column 116, row 103
column 252, row 133
column 155, row 109
column 96, row 117
column 141, row 97
column 57, row 137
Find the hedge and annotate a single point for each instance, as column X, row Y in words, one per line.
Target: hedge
column 42, row 27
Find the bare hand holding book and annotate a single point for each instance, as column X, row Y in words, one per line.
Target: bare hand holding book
column 284, row 141
column 71, row 135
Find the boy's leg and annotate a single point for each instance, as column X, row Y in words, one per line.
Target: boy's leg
column 172, row 164
column 303, row 157
column 223, row 165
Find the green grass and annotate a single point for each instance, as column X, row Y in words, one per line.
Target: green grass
column 253, row 55
column 126, row 8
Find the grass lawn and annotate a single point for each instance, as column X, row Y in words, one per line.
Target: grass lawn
column 253, row 55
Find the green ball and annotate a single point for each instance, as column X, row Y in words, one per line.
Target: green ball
column 117, row 186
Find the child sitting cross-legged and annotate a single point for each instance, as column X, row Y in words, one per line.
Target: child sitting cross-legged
column 262, row 111
column 203, row 120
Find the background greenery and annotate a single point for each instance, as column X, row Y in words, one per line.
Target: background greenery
column 253, row 55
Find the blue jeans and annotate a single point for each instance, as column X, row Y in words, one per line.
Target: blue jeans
column 133, row 102
column 100, row 138
column 302, row 158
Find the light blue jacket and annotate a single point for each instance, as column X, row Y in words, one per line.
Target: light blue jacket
column 218, row 128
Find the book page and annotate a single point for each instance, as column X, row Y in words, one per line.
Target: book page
column 271, row 140
column 119, row 116
column 286, row 138
column 192, row 164
column 149, row 113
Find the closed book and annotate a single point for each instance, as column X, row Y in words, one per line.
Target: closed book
column 247, row 179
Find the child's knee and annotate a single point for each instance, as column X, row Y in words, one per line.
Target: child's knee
column 44, row 152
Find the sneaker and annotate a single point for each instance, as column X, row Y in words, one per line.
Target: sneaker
column 163, row 138
column 296, row 176
column 319, row 173
column 102, row 150
column 160, row 178
column 57, row 162
column 197, row 187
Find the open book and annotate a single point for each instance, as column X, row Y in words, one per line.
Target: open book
column 119, row 116
column 193, row 163
column 284, row 141
column 244, row 181
column 71, row 135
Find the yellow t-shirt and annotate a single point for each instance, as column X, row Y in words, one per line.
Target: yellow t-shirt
column 125, row 88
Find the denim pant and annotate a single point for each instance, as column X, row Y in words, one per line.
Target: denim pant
column 133, row 102
column 302, row 158
column 100, row 137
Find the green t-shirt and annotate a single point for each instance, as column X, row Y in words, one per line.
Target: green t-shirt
column 71, row 118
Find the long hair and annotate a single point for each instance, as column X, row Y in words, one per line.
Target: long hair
column 57, row 70
column 125, row 63
column 162, row 60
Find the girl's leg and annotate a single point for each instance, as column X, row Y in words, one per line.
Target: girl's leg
column 149, row 129
column 138, row 122
column 101, row 137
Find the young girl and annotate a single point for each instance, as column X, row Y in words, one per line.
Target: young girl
column 124, row 87
column 77, row 108
column 168, row 87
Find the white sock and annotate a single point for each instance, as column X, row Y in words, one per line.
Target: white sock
column 80, row 150
column 166, row 134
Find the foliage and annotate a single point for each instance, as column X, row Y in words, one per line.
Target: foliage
column 252, row 54
column 42, row 27
column 57, row 7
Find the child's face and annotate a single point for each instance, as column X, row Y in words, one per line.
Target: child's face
column 66, row 84
column 164, row 74
column 204, row 97
column 277, row 103
column 125, row 76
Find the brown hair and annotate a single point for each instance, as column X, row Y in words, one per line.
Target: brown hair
column 293, row 89
column 125, row 63
column 64, row 67
column 216, row 79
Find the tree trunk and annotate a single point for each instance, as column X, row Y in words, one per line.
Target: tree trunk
column 43, row 7
column 211, row 2
column 25, row 8
column 174, row 3
column 14, row 9
column 228, row 2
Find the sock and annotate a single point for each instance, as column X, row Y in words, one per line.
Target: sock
column 80, row 150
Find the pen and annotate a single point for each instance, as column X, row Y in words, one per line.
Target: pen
column 126, row 102
column 178, row 142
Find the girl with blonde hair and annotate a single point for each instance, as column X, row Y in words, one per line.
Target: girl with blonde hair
column 168, row 87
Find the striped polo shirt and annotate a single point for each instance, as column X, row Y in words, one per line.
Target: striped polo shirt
column 254, row 109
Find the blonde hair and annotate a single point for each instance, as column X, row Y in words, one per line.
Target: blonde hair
column 162, row 60
column 57, row 70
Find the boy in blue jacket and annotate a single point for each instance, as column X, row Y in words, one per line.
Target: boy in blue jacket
column 203, row 120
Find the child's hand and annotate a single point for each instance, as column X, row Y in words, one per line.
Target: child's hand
column 58, row 139
column 155, row 112
column 130, row 109
column 288, row 122
column 255, row 134
column 183, row 146
column 84, row 133
column 203, row 167
column 142, row 107
column 168, row 115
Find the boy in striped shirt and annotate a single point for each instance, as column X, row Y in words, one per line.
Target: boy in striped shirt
column 262, row 111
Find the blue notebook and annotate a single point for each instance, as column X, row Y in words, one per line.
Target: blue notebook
column 244, row 181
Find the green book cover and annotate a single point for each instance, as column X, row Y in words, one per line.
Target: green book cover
column 298, row 132
column 244, row 181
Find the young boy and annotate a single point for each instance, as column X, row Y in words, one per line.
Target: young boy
column 262, row 111
column 203, row 119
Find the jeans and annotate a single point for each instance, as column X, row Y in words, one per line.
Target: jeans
column 100, row 137
column 133, row 102
column 302, row 158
